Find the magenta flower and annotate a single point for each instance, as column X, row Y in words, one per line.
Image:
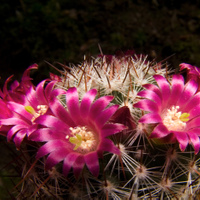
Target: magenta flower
column 193, row 72
column 18, row 90
column 174, row 109
column 35, row 103
column 77, row 134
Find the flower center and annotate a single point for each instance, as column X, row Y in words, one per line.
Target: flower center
column 175, row 120
column 41, row 110
column 83, row 139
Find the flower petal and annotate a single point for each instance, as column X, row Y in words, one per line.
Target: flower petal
column 110, row 129
column 194, row 138
column 99, row 105
column 61, row 112
column 50, row 147
column 52, row 122
column 159, row 131
column 69, row 162
column 92, row 162
column 176, row 89
column 108, row 145
column 182, row 139
column 46, row 134
column 55, row 157
column 78, row 165
column 86, row 102
column 72, row 101
column 19, row 137
column 105, row 115
column 189, row 91
column 150, row 118
column 149, row 94
column 147, row 105
column 164, row 87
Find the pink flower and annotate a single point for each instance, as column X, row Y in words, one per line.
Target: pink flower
column 18, row 90
column 174, row 109
column 77, row 134
column 35, row 103
column 193, row 72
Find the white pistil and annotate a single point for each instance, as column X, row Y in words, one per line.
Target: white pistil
column 83, row 139
column 172, row 119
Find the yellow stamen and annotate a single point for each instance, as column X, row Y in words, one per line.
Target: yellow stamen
column 184, row 117
column 30, row 109
column 77, row 140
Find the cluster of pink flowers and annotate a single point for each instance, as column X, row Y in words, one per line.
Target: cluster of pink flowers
column 76, row 131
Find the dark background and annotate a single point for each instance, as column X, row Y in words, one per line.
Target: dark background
column 32, row 31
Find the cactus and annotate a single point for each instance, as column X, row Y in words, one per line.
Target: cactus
column 113, row 127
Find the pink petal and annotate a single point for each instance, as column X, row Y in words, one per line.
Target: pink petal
column 69, row 162
column 192, row 103
column 13, row 131
column 19, row 137
column 159, row 131
column 99, row 105
column 149, row 94
column 189, row 91
column 52, row 122
column 72, row 101
column 194, row 112
column 194, row 140
column 164, row 87
column 46, row 134
column 108, row 145
column 176, row 89
column 154, row 89
column 150, row 118
column 78, row 165
column 50, row 147
column 92, row 162
column 105, row 115
column 110, row 129
column 195, row 122
column 55, row 157
column 61, row 112
column 86, row 102
column 20, row 109
column 182, row 139
column 147, row 105
column 14, row 121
